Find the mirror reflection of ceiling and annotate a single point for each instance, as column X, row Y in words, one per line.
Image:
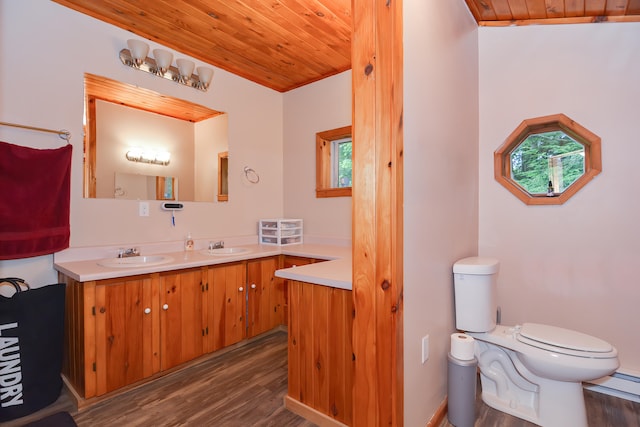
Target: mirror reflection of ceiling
column 286, row 44
column 98, row 87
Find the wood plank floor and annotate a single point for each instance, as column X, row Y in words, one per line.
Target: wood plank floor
column 602, row 411
column 246, row 386
column 243, row 387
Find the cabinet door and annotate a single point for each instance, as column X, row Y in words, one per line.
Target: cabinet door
column 225, row 300
column 266, row 296
column 288, row 262
column 127, row 337
column 235, row 303
column 181, row 316
column 320, row 352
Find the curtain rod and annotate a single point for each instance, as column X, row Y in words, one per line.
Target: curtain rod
column 64, row 134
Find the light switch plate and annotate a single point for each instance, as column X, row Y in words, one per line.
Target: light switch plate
column 143, row 209
column 425, row 348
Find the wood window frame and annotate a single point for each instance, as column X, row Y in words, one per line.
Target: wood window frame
column 223, row 176
column 592, row 157
column 324, row 164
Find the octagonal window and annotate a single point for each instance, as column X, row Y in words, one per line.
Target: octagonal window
column 547, row 159
column 547, row 162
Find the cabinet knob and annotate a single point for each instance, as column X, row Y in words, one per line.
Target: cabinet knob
column 253, row 286
column 165, row 307
column 240, row 289
column 147, row 310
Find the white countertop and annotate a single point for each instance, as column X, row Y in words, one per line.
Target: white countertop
column 336, row 272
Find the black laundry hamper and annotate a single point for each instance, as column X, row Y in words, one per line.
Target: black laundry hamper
column 31, row 340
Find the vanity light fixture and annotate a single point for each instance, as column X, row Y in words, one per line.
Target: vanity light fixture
column 149, row 156
column 160, row 65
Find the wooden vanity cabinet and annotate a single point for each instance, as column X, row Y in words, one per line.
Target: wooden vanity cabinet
column 225, row 305
column 112, row 333
column 124, row 330
column 320, row 353
column 265, row 296
column 146, row 324
column 289, row 261
column 244, row 299
column 182, row 300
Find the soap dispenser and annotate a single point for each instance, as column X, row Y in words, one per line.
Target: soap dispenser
column 188, row 243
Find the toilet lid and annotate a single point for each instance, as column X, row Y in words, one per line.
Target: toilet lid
column 564, row 338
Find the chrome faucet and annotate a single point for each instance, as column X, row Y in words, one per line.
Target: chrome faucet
column 129, row 252
column 216, row 245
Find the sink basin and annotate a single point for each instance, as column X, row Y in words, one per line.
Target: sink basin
column 136, row 261
column 225, row 251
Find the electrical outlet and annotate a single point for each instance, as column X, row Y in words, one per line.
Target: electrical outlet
column 425, row 348
column 143, row 209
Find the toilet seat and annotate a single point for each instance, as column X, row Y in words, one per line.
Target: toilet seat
column 564, row 341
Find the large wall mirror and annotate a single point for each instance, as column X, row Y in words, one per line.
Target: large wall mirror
column 140, row 144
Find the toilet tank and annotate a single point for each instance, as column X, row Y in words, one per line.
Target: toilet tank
column 474, row 281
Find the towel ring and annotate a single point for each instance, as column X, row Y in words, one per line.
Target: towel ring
column 251, row 175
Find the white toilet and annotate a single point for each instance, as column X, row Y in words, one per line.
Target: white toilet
column 530, row 371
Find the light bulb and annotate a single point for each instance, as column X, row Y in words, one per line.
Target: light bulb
column 163, row 59
column 205, row 74
column 139, row 50
column 185, row 67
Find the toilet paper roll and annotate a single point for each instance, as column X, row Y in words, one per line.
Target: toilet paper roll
column 462, row 346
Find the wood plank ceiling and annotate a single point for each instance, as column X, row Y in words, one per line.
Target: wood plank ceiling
column 524, row 12
column 285, row 44
column 281, row 44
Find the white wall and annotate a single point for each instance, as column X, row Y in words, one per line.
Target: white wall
column 440, row 186
column 45, row 49
column 313, row 108
column 571, row 265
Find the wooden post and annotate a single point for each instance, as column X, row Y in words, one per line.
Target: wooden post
column 377, row 212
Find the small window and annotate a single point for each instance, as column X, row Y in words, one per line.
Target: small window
column 546, row 160
column 333, row 162
column 341, row 163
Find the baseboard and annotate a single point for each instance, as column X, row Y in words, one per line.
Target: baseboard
column 439, row 415
column 310, row 414
column 619, row 384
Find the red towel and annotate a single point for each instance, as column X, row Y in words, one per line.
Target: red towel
column 34, row 205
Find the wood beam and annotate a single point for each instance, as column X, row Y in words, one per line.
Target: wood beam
column 377, row 212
